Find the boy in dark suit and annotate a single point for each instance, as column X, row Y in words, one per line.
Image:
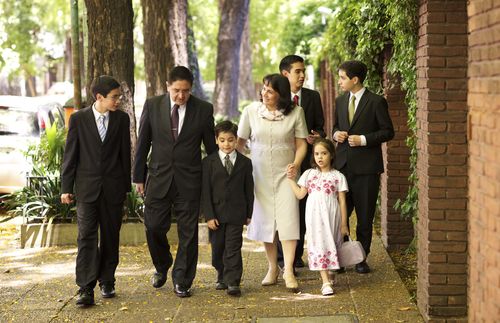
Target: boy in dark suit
column 97, row 164
column 227, row 194
column 362, row 124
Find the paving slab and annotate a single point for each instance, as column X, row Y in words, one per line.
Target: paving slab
column 37, row 285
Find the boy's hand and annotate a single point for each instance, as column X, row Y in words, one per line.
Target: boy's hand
column 66, row 198
column 249, row 220
column 213, row 224
column 345, row 230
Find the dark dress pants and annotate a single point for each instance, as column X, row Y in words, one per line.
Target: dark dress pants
column 98, row 241
column 226, row 243
column 362, row 197
column 157, row 219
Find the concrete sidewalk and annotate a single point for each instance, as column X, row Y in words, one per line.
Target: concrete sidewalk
column 37, row 285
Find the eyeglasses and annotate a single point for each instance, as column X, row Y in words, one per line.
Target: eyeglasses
column 116, row 97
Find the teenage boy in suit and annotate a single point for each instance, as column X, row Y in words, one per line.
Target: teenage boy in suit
column 362, row 124
column 292, row 67
column 172, row 128
column 96, row 167
column 228, row 194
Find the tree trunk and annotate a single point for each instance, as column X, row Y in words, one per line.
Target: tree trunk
column 246, row 85
column 193, row 65
column 233, row 16
column 168, row 42
column 158, row 55
column 111, row 50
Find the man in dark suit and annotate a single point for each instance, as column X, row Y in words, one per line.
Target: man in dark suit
column 97, row 164
column 227, row 196
column 293, row 68
column 172, row 128
column 362, row 124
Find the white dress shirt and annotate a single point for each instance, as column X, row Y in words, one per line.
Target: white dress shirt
column 97, row 114
column 182, row 113
column 232, row 157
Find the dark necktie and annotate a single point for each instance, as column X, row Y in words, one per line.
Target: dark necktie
column 228, row 164
column 174, row 121
column 296, row 99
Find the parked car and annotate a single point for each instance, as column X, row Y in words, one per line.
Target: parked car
column 22, row 121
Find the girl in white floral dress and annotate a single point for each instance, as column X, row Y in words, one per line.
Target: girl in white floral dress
column 326, row 212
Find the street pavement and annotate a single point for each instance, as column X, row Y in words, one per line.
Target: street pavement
column 37, row 285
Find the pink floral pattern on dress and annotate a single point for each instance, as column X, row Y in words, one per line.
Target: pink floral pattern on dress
column 319, row 261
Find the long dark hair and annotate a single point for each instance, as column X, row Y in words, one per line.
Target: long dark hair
column 328, row 144
column 281, row 85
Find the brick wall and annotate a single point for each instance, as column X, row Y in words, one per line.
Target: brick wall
column 484, row 161
column 442, row 160
column 396, row 232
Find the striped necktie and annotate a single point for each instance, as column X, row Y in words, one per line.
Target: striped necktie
column 101, row 126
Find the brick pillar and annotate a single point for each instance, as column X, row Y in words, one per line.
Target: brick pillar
column 442, row 160
column 484, row 167
column 396, row 232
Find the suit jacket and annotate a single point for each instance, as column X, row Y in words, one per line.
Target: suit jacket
column 228, row 198
column 372, row 120
column 313, row 111
column 169, row 159
column 90, row 165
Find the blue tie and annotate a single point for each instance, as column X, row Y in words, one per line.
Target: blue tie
column 101, row 126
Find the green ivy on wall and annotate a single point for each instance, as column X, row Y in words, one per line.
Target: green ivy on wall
column 362, row 30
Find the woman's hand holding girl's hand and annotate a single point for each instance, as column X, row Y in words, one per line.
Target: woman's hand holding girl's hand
column 291, row 171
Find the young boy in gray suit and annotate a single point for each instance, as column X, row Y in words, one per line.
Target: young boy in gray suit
column 227, row 194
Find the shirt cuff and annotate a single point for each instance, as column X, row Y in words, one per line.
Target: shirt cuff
column 363, row 140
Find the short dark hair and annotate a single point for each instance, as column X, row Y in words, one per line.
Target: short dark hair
column 287, row 61
column 103, row 85
column 328, row 144
column 280, row 84
column 180, row 73
column 226, row 126
column 353, row 69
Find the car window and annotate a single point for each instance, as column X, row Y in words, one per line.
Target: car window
column 19, row 123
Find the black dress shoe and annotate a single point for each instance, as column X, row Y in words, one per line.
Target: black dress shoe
column 234, row 290
column 85, row 297
column 299, row 263
column 362, row 268
column 159, row 279
column 341, row 270
column 181, row 291
column 220, row 285
column 108, row 290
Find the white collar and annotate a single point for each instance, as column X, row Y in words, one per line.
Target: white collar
column 97, row 114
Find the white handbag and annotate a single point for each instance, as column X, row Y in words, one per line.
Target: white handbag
column 351, row 253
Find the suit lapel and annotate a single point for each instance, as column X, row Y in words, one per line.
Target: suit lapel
column 92, row 125
column 361, row 106
column 237, row 164
column 304, row 100
column 217, row 164
column 188, row 115
column 164, row 115
column 112, row 126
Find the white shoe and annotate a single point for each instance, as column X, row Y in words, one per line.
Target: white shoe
column 326, row 289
